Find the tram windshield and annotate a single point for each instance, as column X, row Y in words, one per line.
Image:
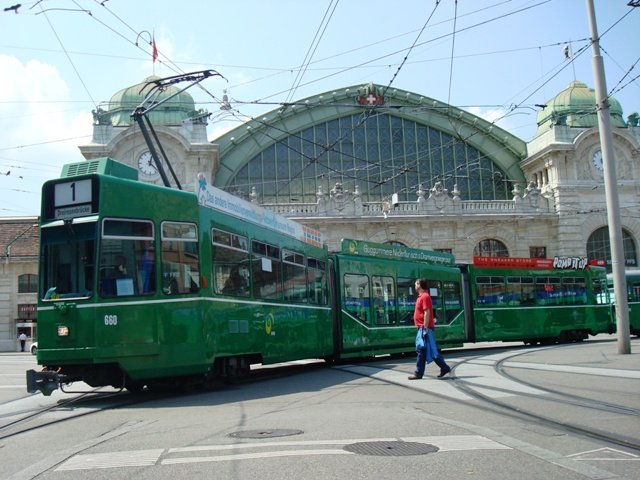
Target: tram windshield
column 67, row 261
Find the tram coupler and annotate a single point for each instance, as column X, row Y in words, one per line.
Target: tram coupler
column 45, row 381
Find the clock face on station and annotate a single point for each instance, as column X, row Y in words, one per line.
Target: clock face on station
column 146, row 164
column 597, row 161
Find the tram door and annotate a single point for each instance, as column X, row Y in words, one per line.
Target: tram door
column 446, row 296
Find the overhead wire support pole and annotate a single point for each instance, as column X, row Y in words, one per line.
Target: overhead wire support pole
column 164, row 155
column 140, row 115
column 610, row 181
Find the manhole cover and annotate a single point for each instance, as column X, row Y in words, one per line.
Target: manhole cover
column 391, row 449
column 266, row 433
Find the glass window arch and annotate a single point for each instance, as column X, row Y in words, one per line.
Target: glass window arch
column 380, row 154
column 490, row 247
column 599, row 247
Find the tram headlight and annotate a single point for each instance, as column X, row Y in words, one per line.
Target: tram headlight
column 63, row 331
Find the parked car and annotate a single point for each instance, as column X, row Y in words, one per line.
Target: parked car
column 33, row 348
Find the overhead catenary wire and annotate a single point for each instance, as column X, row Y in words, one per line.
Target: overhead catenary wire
column 82, row 82
column 367, row 113
column 310, row 65
column 365, row 119
column 313, row 47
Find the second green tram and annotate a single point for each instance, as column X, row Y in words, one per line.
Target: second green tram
column 633, row 298
column 537, row 300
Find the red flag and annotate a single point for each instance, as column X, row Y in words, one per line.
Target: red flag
column 154, row 50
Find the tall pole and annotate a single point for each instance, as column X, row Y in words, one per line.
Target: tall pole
column 613, row 207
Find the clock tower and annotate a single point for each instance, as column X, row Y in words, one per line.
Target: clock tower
column 181, row 130
column 565, row 161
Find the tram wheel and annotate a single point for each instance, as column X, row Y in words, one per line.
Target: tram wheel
column 134, row 386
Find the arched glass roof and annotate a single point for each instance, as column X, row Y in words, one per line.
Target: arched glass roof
column 396, row 144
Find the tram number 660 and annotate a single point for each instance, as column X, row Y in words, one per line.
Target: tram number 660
column 110, row 320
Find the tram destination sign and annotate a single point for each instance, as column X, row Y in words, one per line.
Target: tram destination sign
column 73, row 199
column 395, row 252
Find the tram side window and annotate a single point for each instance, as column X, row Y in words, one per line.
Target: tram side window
column 490, row 291
column 435, row 292
column 180, row 258
column 294, row 277
column 520, row 291
column 406, row 300
column 127, row 258
column 634, row 291
column 600, row 291
column 574, row 291
column 384, row 300
column 357, row 300
column 452, row 300
column 548, row 290
column 230, row 258
column 317, row 281
column 266, row 268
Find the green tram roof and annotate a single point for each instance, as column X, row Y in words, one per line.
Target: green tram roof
column 103, row 166
column 208, row 197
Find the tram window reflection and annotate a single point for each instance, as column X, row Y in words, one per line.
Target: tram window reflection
column 406, row 300
column 317, row 281
column 384, row 300
column 127, row 258
column 180, row 258
column 520, row 291
column 357, row 299
column 294, row 277
column 490, row 290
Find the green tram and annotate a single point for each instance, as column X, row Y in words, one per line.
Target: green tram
column 147, row 285
column 537, row 300
column 375, row 297
column 633, row 297
column 143, row 285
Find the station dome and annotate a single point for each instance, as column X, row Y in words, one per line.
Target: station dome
column 575, row 106
column 172, row 112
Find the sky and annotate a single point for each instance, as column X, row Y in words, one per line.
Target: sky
column 498, row 59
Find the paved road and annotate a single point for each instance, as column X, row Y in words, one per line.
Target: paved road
column 355, row 421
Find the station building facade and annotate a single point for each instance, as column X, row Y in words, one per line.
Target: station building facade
column 386, row 165
column 392, row 166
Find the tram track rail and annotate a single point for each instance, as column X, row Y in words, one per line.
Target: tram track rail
column 72, row 408
column 22, row 421
column 555, row 397
column 566, row 398
column 485, row 401
column 509, row 408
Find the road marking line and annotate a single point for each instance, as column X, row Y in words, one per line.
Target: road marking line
column 483, row 377
column 605, row 372
column 427, row 384
column 145, row 458
column 251, row 456
column 134, row 458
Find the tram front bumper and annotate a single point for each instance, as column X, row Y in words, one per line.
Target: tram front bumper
column 43, row 381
